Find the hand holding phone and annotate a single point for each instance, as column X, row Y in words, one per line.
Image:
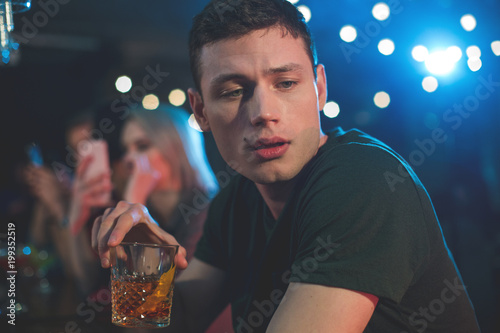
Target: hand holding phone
column 99, row 159
column 92, row 187
column 34, row 154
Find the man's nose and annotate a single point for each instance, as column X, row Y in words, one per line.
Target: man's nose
column 265, row 107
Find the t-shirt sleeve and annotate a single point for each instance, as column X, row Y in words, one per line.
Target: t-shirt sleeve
column 212, row 247
column 355, row 230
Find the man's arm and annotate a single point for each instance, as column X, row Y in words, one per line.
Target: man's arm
column 199, row 296
column 316, row 308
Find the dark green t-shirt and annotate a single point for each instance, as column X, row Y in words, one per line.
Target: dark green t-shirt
column 359, row 219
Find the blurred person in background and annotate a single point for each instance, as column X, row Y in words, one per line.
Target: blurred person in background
column 64, row 197
column 52, row 194
column 168, row 171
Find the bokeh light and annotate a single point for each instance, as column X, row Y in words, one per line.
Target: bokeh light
column 331, row 109
column 473, row 52
column 306, row 12
column 386, row 46
column 381, row 11
column 348, row 33
column 440, row 62
column 420, row 53
column 455, row 53
column 474, row 64
column 150, row 102
column 123, row 84
column 495, row 47
column 430, row 84
column 382, row 99
column 177, row 97
column 27, row 250
column 468, row 22
column 43, row 255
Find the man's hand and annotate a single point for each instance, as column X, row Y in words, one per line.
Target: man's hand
column 130, row 222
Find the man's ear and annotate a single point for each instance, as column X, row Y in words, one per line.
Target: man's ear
column 321, row 86
column 198, row 108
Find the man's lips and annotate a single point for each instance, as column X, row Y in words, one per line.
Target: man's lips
column 270, row 148
column 265, row 143
column 277, row 144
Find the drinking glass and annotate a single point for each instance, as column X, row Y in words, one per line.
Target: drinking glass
column 142, row 283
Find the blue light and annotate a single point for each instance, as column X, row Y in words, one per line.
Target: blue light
column 27, row 250
column 442, row 62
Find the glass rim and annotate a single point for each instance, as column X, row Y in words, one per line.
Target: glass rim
column 149, row 245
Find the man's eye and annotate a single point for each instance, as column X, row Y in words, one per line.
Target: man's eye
column 287, row 84
column 234, row 93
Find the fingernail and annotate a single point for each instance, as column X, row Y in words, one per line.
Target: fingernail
column 104, row 262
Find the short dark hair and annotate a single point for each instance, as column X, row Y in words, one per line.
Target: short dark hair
column 223, row 19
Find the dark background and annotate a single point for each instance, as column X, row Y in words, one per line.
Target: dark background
column 71, row 55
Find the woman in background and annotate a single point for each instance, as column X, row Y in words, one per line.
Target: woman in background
column 53, row 194
column 168, row 171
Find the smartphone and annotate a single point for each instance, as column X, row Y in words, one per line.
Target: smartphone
column 34, row 154
column 100, row 158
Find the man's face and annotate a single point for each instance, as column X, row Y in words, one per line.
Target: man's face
column 262, row 103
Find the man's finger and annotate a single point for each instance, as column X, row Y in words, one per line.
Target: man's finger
column 122, row 226
column 96, row 226
column 107, row 225
column 95, row 230
column 180, row 258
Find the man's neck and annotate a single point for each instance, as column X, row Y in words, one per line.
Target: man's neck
column 275, row 195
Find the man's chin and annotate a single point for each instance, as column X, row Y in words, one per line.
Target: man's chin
column 269, row 178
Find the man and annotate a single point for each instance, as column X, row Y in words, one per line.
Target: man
column 310, row 237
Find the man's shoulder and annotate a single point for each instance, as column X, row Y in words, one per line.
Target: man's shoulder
column 353, row 139
column 356, row 150
column 353, row 158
